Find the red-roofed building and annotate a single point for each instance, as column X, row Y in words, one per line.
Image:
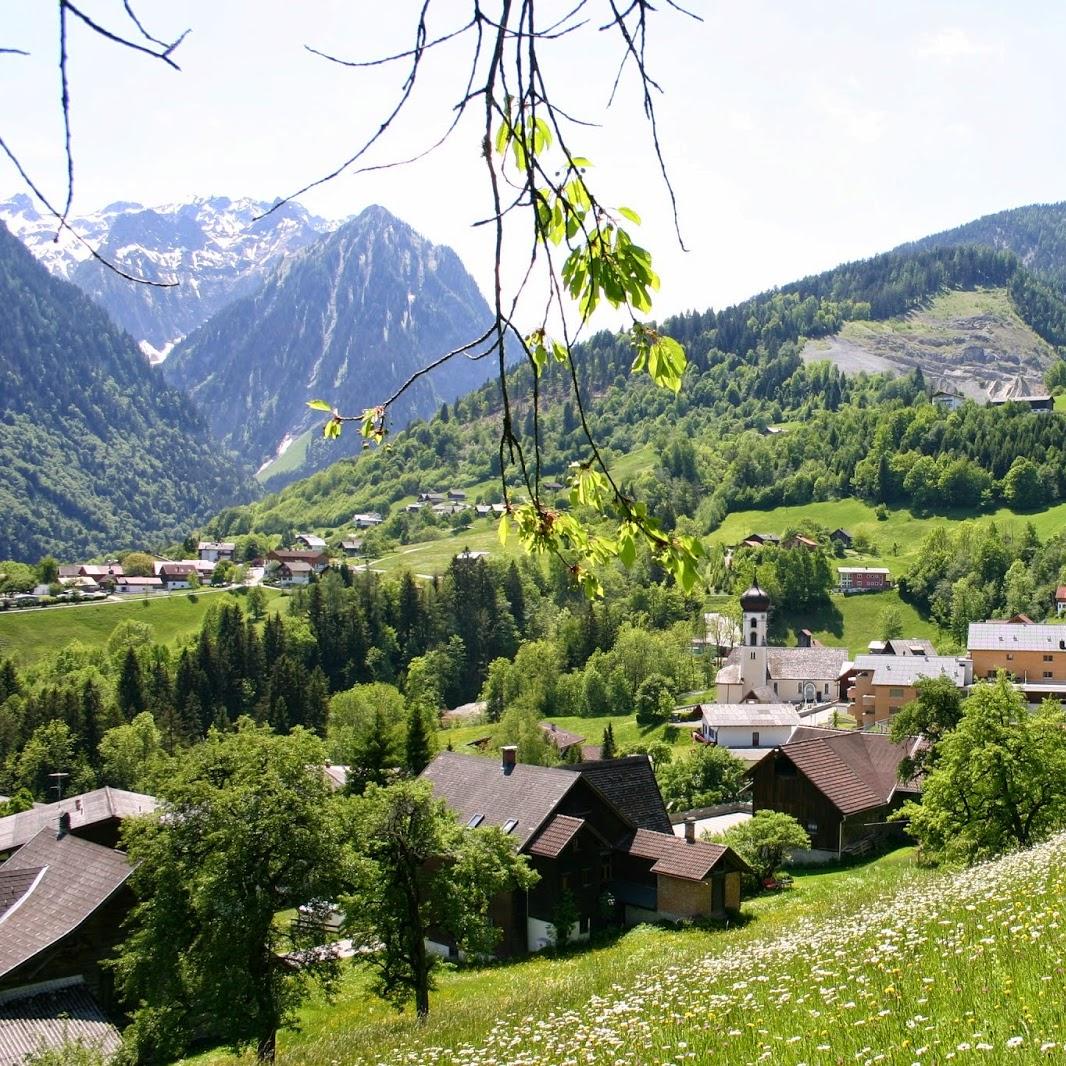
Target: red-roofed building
column 1060, row 599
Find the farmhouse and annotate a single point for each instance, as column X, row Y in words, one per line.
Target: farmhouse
column 798, row 540
column 1060, row 600
column 841, row 537
column 212, row 551
column 176, row 575
column 352, row 546
column 561, row 739
column 317, row 560
column 884, row 683
column 1041, row 403
column 864, row 578
column 839, row 785
column 597, row 830
column 296, row 572
column 366, row 520
column 310, row 541
column 744, row 726
column 756, row 672
column 950, row 401
column 130, row 586
column 94, row 816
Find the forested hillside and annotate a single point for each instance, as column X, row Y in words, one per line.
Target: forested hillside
column 96, row 451
column 869, row 435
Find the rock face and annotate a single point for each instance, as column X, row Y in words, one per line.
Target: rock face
column 211, row 247
column 97, row 453
column 347, row 320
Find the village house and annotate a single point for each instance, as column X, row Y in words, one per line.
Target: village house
column 212, row 551
column 840, row 786
column 799, row 540
column 310, row 541
column 597, row 830
column 431, row 497
column 841, row 537
column 1033, row 654
column 483, row 510
column 863, row 578
column 760, row 540
column 366, row 520
column 177, row 575
column 747, row 727
column 131, row 586
column 758, row 673
column 456, row 494
column 317, row 560
column 95, row 816
column 352, row 546
column 902, row 646
column 293, row 572
column 561, row 739
column 883, row 684
column 949, row 401
column 1060, row 600
column 1041, row 402
column 104, row 576
column 63, row 901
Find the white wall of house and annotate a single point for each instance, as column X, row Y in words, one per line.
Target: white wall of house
column 539, row 934
column 736, row 736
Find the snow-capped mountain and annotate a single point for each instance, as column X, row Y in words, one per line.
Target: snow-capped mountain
column 345, row 320
column 211, row 247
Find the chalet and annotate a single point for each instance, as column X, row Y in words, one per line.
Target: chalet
column 352, row 546
column 482, row 510
column 1041, row 403
column 214, row 551
column 177, row 575
column 597, row 830
column 884, row 683
column 431, row 497
column 317, row 560
column 908, row 646
column 1060, row 600
column 841, row 537
column 456, row 494
column 466, row 553
column 798, row 540
column 446, row 508
column 760, row 540
column 413, row 508
column 743, row 727
column 839, row 785
column 949, row 401
column 96, row 816
column 561, row 739
column 499, row 508
column 294, row 572
column 554, row 486
column 310, row 541
column 863, row 578
column 61, row 904
column 762, row 674
column 131, row 586
column 107, row 574
column 367, row 520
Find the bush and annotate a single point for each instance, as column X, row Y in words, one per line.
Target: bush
column 765, row 841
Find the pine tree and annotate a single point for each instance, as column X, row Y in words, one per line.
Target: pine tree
column 608, row 749
column 9, row 680
column 130, row 692
column 417, row 750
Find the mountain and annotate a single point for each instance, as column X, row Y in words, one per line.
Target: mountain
column 97, row 452
column 346, row 320
column 211, row 247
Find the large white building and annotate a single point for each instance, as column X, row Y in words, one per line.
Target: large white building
column 756, row 672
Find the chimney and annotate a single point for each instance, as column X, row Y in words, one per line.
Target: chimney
column 508, row 757
column 64, row 824
column 77, row 804
column 690, row 830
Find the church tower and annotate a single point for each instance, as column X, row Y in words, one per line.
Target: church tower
column 754, row 671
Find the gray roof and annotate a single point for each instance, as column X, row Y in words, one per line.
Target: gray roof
column 907, row 669
column 100, row 805
column 806, row 664
column 909, row 646
column 311, row 540
column 71, row 879
column 1012, row 636
column 749, row 714
column 50, row 1020
column 472, row 785
column 629, row 785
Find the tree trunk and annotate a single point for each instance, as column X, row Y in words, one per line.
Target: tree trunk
column 267, row 1047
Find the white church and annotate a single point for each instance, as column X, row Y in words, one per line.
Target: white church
column 755, row 672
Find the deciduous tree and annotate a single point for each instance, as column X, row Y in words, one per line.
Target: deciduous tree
column 765, row 841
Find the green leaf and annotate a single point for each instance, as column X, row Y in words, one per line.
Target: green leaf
column 320, row 405
column 629, row 213
column 505, row 528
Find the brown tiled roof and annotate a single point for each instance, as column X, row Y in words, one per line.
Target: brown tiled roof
column 855, row 771
column 99, row 805
column 472, row 785
column 554, row 837
column 675, row 857
column 52, row 1019
column 561, row 738
column 628, row 783
column 72, row 878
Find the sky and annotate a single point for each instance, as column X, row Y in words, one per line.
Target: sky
column 798, row 134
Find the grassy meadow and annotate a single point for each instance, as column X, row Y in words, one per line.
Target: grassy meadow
column 28, row 636
column 881, row 962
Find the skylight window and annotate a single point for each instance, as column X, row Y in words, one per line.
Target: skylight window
column 508, row 826
column 475, row 821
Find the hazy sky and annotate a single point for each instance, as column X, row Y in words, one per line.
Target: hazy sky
column 798, row 134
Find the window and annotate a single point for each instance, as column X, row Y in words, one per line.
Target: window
column 475, row 821
column 1049, row 673
column 755, row 738
column 895, row 693
column 812, row 828
column 1049, row 658
column 753, row 655
column 564, row 882
column 586, row 876
column 508, row 826
column 605, row 869
column 1010, row 657
column 584, row 925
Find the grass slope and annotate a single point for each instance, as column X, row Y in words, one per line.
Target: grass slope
column 884, row 962
column 32, row 635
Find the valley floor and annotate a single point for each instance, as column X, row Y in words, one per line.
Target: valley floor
column 882, row 962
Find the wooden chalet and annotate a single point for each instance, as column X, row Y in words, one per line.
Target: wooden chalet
column 599, row 831
column 317, row 560
column 839, row 785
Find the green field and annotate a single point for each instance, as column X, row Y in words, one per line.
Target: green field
column 881, row 962
column 291, row 459
column 32, row 635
